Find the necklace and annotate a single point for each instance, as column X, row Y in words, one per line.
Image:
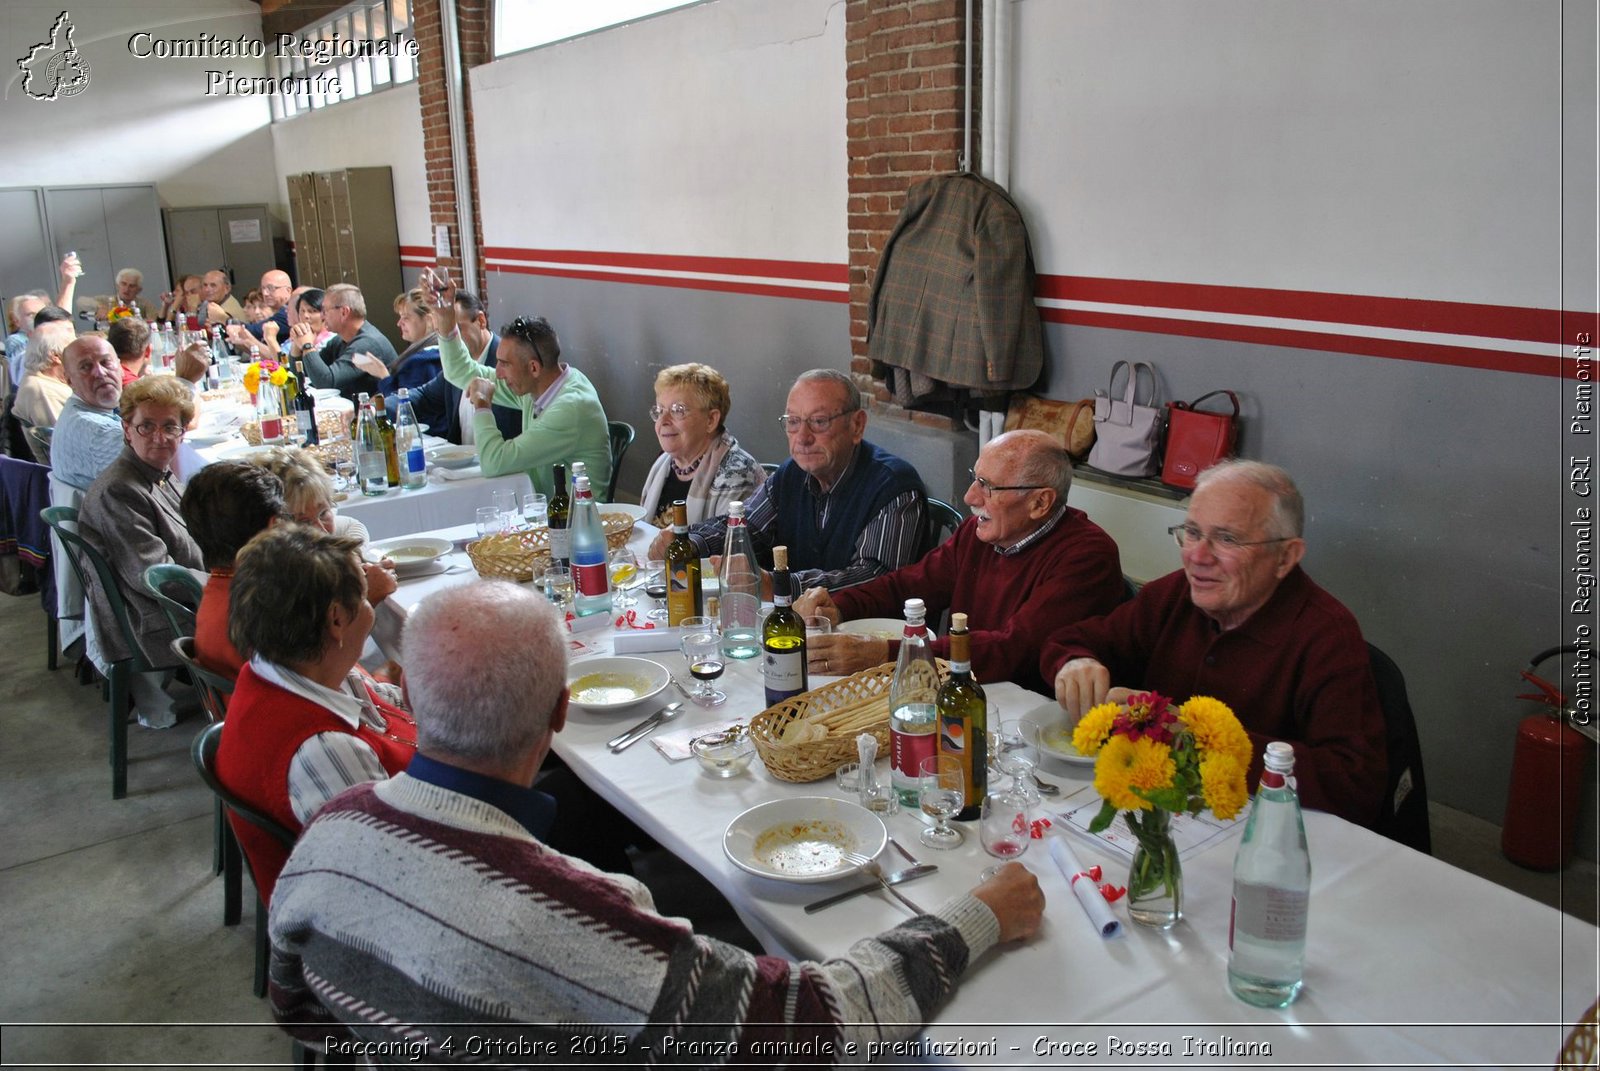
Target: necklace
column 684, row 474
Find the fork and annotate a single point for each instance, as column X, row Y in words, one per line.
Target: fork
column 871, row 869
column 897, row 846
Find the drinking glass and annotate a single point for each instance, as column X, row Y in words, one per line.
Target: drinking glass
column 623, row 568
column 941, row 793
column 510, row 511
column 1015, row 752
column 1003, row 827
column 344, row 473
column 490, row 521
column 655, row 586
column 536, row 510
column 817, row 625
column 556, row 583
column 702, row 648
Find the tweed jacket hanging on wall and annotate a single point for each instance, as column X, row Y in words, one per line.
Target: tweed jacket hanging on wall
column 953, row 297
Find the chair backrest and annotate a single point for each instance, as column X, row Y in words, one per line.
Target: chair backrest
column 771, row 467
column 1405, row 803
column 942, row 522
column 38, row 441
column 178, row 593
column 63, row 521
column 204, row 753
column 214, row 688
column 622, row 435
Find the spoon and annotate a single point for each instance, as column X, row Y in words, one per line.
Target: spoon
column 644, row 728
column 1045, row 787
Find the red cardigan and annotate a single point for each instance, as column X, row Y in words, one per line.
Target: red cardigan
column 266, row 725
column 1013, row 603
column 1298, row 671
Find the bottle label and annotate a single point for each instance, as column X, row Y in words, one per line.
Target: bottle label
column 683, row 598
column 971, row 749
column 271, row 429
column 416, row 461
column 590, row 579
column 784, row 667
column 1268, row 912
column 560, row 543
column 1271, row 779
column 911, row 739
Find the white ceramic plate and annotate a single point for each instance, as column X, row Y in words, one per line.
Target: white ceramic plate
column 412, row 554
column 801, row 839
column 604, row 685
column 878, row 628
column 453, row 457
column 633, row 510
column 1055, row 739
column 323, row 394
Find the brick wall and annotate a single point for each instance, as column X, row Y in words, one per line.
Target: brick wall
column 904, row 84
column 473, row 30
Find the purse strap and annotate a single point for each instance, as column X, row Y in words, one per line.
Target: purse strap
column 1131, row 392
column 1234, row 398
column 1083, row 403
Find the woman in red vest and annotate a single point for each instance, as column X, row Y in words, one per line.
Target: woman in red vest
column 299, row 731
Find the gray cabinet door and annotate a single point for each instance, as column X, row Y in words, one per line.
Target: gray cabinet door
column 110, row 228
column 26, row 261
column 234, row 238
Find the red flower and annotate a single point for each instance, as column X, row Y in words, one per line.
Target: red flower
column 1146, row 714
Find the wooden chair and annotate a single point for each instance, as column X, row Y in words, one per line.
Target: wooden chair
column 622, row 435
column 178, row 592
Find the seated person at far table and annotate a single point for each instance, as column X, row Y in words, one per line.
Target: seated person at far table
column 847, row 510
column 267, row 325
column 419, row 362
column 562, row 419
column 300, row 730
column 344, row 311
column 1021, row 566
column 540, row 946
column 441, row 404
column 1243, row 623
column 218, row 305
column 44, row 390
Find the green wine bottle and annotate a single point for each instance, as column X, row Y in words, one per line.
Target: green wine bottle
column 683, row 569
column 783, row 638
column 964, row 720
column 560, row 510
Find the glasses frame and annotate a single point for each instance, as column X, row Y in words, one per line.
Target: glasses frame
column 817, row 424
column 146, row 429
column 988, row 488
column 677, row 410
column 1223, row 542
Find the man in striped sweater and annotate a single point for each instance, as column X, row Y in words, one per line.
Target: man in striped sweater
column 416, row 906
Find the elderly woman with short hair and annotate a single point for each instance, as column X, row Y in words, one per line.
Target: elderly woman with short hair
column 300, row 730
column 418, row 362
column 130, row 514
column 44, row 390
column 700, row 461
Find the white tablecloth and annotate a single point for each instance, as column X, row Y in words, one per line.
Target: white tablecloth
column 1409, row 959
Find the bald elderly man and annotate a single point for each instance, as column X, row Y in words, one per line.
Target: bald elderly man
column 1021, row 566
column 266, row 334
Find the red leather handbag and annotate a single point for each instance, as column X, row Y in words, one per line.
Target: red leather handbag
column 1196, row 440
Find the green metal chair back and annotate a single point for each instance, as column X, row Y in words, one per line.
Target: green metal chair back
column 178, row 592
column 622, row 435
column 214, row 688
column 943, row 520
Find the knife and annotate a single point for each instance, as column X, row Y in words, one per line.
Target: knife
column 617, row 743
column 910, row 873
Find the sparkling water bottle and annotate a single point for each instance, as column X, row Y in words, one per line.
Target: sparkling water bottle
column 372, row 467
column 408, row 444
column 590, row 581
column 1271, row 891
column 913, row 706
column 739, row 597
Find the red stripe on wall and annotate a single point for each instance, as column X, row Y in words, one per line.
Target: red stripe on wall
column 1394, row 349
column 418, row 251
column 811, row 271
column 764, row 289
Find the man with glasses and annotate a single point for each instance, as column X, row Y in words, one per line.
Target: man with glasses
column 344, row 312
column 1022, row 564
column 562, row 418
column 847, row 510
column 1243, row 623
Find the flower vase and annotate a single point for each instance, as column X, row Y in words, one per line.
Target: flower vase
column 1155, row 882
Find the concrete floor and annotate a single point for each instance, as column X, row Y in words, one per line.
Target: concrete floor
column 114, row 943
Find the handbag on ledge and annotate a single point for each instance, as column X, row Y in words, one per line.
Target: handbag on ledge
column 1127, row 435
column 1196, row 440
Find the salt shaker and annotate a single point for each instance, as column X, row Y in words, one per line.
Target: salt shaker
column 875, row 796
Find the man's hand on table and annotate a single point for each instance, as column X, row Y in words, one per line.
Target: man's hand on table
column 1083, row 683
column 816, row 602
column 839, row 654
column 1016, row 900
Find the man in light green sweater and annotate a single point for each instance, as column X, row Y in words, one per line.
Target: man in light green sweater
column 562, row 419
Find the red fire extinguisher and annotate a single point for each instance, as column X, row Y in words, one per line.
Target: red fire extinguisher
column 1547, row 774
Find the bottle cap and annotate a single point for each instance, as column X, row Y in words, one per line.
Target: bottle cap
column 1279, row 757
column 581, row 484
column 736, row 508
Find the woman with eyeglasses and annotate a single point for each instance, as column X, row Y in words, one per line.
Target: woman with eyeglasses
column 700, row 461
column 130, row 515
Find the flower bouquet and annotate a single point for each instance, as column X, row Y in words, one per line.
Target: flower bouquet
column 276, row 374
column 1152, row 760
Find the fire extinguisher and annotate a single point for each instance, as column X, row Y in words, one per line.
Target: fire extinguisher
column 1547, row 774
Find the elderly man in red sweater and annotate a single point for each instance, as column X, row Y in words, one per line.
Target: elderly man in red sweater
column 1243, row 623
column 1021, row 566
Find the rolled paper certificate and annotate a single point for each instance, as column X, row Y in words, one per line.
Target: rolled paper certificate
column 1083, row 887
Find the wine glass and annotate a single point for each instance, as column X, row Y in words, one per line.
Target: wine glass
column 490, row 521
column 702, row 648
column 941, row 793
column 1015, row 754
column 556, row 582
column 506, row 501
column 536, row 510
column 622, row 567
column 655, row 586
column 1003, row 827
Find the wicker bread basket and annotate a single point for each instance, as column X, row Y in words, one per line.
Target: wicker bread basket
column 516, row 555
column 815, row 759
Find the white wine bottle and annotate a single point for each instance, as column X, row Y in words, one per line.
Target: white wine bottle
column 783, row 637
column 964, row 721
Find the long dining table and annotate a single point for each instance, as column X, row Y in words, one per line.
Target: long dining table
column 1410, row 961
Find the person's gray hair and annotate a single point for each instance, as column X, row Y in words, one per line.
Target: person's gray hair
column 843, row 380
column 130, row 275
column 48, row 340
column 1288, row 517
column 1046, row 463
column 16, row 307
column 486, row 665
column 350, row 296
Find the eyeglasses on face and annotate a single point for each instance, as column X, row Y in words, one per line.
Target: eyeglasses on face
column 677, row 410
column 148, row 428
column 1188, row 535
column 817, row 424
column 988, row 488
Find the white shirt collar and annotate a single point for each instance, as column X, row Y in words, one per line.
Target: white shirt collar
column 342, row 704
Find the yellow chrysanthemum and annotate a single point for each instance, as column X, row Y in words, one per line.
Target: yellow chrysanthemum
column 252, row 378
column 278, row 376
column 1094, row 727
column 1216, row 730
column 1128, row 764
column 1222, row 784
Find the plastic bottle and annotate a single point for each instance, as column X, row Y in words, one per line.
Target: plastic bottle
column 739, row 600
column 783, row 638
column 408, row 444
column 964, row 721
column 913, row 718
column 591, row 585
column 371, row 465
column 1271, row 891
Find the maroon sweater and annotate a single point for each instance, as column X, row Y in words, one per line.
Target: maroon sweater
column 1012, row 602
column 1297, row 670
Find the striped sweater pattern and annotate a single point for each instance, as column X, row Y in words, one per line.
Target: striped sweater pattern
column 410, row 915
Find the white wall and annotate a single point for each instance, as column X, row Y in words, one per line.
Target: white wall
column 139, row 120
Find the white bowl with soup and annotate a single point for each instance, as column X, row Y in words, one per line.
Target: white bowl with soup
column 411, row 554
column 603, row 685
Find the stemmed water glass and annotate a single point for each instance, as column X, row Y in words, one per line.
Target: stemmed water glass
column 702, row 648
column 941, row 793
column 1004, row 826
column 622, row 567
column 1014, row 753
column 655, row 586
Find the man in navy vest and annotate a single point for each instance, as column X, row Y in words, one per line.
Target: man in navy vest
column 847, row 510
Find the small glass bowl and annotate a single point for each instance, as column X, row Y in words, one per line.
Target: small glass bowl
column 724, row 754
